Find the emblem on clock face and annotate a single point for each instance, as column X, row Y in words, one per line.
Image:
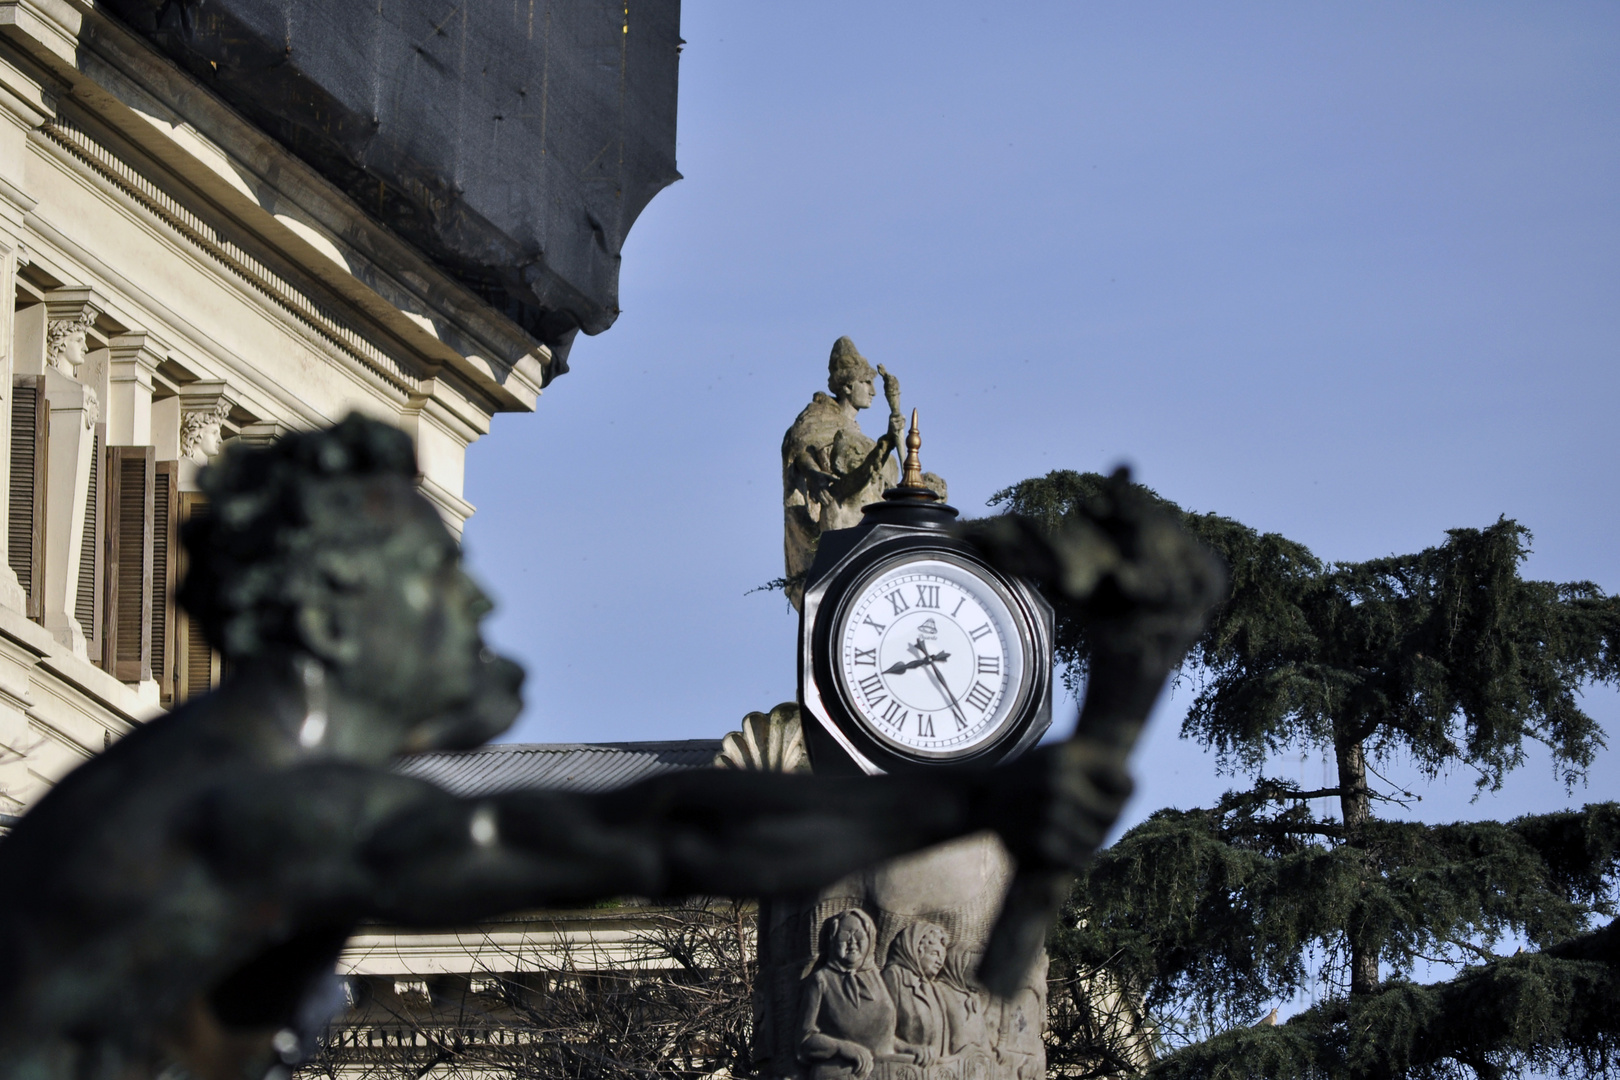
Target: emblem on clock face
column 928, row 652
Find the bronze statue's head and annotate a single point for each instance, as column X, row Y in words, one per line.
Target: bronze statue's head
column 849, row 375
column 319, row 547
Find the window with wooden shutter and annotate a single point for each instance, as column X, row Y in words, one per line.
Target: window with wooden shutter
column 165, row 556
column 30, row 444
column 197, row 666
column 127, row 640
column 87, row 600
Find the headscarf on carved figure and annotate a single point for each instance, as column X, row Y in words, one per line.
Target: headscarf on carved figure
column 964, row 1001
column 849, row 1018
column 916, row 957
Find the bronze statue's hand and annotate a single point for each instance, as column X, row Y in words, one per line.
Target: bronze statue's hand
column 1055, row 806
column 1129, row 570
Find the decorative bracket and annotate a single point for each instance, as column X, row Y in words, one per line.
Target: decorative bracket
column 69, row 313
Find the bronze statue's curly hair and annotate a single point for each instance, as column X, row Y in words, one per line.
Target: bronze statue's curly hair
column 283, row 526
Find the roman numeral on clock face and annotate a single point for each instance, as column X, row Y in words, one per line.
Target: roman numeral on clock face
column 874, row 625
column 925, row 726
column 980, row 632
column 898, row 602
column 979, row 696
column 870, row 686
column 988, row 665
column 890, row 716
column 869, row 657
column 928, row 596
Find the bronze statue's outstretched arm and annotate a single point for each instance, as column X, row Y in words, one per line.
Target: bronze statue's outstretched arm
column 437, row 858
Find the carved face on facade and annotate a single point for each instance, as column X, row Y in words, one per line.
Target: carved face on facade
column 209, row 440
column 200, row 435
column 67, row 344
column 849, row 941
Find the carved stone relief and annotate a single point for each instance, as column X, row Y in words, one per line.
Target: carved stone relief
column 873, row 978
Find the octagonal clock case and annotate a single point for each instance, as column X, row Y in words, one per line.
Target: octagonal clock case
column 916, row 653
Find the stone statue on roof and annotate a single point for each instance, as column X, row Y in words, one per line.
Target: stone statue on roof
column 830, row 469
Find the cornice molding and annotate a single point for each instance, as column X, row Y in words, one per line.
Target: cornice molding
column 145, row 195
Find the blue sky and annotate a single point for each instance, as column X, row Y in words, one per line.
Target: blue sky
column 1346, row 272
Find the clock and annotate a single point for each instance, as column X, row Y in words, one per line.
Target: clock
column 914, row 652
column 929, row 653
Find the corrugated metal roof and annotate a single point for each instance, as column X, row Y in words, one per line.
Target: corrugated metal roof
column 556, row 766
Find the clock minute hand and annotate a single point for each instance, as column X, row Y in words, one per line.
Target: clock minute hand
column 939, row 677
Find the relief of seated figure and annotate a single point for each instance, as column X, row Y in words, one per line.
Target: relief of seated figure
column 848, row 1019
column 916, row 957
column 964, row 1002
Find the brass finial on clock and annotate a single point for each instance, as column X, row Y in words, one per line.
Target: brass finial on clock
column 911, row 474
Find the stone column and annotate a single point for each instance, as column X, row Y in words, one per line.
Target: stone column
column 912, row 997
column 133, row 360
column 75, row 410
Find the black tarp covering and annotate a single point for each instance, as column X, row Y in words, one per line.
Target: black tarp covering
column 513, row 141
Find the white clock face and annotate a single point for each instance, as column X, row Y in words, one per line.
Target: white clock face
column 930, row 657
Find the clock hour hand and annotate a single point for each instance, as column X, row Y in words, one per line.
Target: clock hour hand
column 900, row 666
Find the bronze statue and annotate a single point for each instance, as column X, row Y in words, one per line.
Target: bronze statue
column 183, row 897
column 830, row 468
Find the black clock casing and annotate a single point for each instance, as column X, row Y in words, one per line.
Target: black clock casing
column 899, row 530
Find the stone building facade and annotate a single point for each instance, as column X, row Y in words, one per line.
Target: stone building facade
column 179, row 270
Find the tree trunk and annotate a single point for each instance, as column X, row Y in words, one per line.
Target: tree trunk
column 1356, row 807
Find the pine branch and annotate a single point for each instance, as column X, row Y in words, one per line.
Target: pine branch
column 1556, row 1009
column 1286, row 828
